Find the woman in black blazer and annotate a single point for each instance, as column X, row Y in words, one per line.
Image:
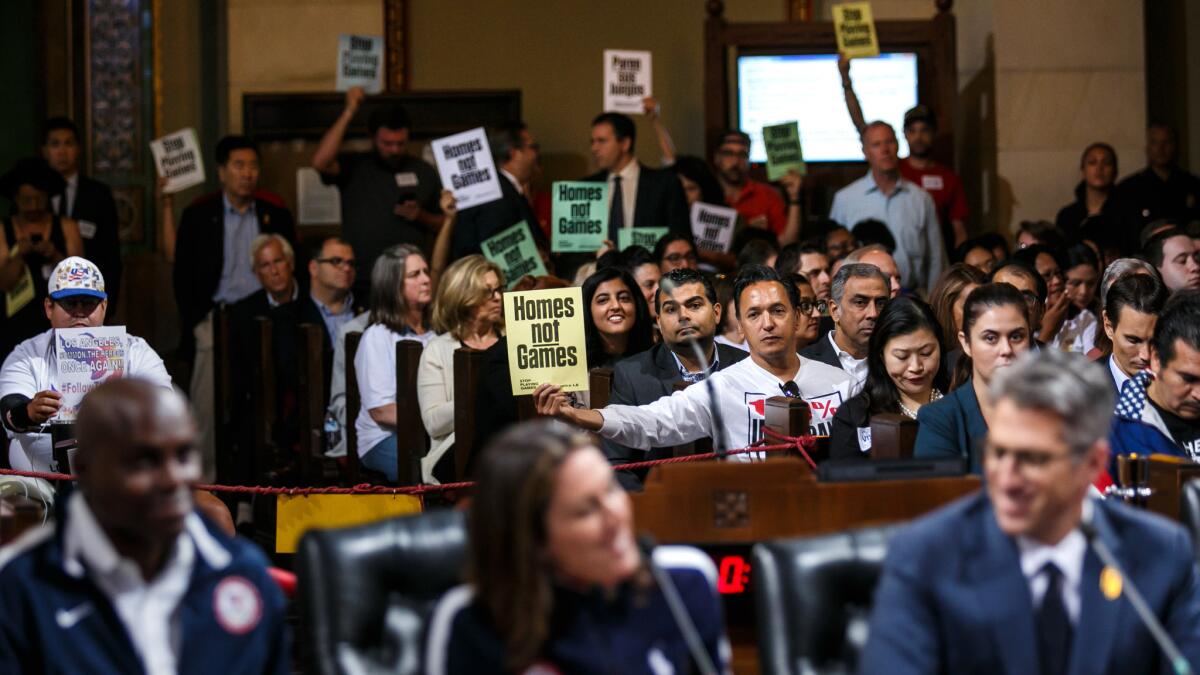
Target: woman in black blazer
column 995, row 331
column 904, row 372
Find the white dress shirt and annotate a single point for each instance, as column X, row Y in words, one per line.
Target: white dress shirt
column 71, row 190
column 149, row 609
column 855, row 368
column 629, row 182
column 1067, row 555
column 1119, row 375
column 515, row 183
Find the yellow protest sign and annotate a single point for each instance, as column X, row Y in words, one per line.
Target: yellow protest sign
column 21, row 294
column 855, row 30
column 545, row 339
column 296, row 515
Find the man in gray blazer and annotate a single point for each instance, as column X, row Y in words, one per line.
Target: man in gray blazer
column 688, row 311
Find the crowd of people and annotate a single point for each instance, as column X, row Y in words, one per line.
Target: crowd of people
column 889, row 305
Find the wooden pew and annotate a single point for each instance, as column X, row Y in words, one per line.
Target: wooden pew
column 353, row 467
column 468, row 369
column 311, row 395
column 223, row 403
column 412, row 442
column 264, row 401
column 893, row 436
column 600, row 386
column 1154, row 482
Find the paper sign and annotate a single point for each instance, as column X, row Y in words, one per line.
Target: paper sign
column 177, row 158
column 465, row 164
column 85, row 357
column 626, row 80
column 316, row 203
column 639, row 236
column 514, row 251
column 546, row 342
column 712, row 226
column 579, row 214
column 360, row 63
column 783, row 150
column 855, row 30
column 296, row 515
column 18, row 296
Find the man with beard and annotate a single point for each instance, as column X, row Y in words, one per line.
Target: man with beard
column 388, row 197
column 758, row 203
column 920, row 128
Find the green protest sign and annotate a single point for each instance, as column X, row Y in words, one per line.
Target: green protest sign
column 639, row 236
column 514, row 251
column 782, row 142
column 578, row 217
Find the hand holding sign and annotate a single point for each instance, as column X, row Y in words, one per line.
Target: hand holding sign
column 43, row 406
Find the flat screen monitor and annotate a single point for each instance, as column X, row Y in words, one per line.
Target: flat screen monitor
column 807, row 88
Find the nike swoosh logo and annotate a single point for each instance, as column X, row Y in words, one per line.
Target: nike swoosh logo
column 69, row 617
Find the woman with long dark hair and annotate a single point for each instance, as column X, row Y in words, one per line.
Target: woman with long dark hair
column 617, row 323
column 995, row 331
column 1082, row 272
column 904, row 372
column 556, row 580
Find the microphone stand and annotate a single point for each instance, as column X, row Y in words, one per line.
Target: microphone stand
column 1178, row 662
column 718, row 423
column 678, row 611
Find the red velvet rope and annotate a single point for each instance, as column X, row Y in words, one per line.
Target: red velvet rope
column 800, row 443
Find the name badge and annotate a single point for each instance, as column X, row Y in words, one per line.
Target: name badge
column 87, row 229
column 864, row 439
column 931, row 182
column 406, row 179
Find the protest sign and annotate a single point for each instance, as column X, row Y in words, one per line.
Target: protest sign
column 464, row 162
column 360, row 63
column 85, row 358
column 579, row 216
column 546, row 343
column 514, row 251
column 177, row 158
column 855, row 30
column 712, row 226
column 626, row 80
column 782, row 142
column 21, row 294
column 316, row 202
column 639, row 236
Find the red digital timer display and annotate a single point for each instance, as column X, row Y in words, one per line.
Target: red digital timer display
column 733, row 574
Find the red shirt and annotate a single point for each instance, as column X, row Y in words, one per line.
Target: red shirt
column 944, row 186
column 760, row 199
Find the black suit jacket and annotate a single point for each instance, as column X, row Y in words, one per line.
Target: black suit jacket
column 478, row 223
column 822, row 351
column 200, row 252
column 660, row 200
column 644, row 378
column 94, row 203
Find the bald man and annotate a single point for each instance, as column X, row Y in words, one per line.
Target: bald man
column 130, row 577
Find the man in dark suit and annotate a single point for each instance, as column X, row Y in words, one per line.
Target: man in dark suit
column 687, row 308
column 212, row 265
column 88, row 201
column 856, row 297
column 1006, row 580
column 515, row 151
column 638, row 195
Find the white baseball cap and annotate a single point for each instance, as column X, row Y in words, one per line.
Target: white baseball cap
column 76, row 276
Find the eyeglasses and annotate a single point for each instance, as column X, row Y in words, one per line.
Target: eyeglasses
column 337, row 262
column 679, row 257
column 1025, row 460
column 497, row 291
column 807, row 306
column 74, row 304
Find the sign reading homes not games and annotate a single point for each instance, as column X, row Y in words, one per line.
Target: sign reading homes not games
column 545, row 339
column 465, row 164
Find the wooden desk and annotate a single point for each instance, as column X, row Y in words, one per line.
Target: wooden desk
column 726, row 507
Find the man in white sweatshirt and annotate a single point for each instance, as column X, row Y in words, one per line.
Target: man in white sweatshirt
column 765, row 308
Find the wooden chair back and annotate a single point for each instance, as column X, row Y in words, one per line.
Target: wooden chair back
column 468, row 370
column 411, row 440
column 353, row 466
column 311, row 401
column 265, row 408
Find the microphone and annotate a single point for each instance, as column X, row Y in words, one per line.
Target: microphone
column 1178, row 662
column 679, row 612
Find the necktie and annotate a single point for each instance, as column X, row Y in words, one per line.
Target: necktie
column 616, row 212
column 1053, row 626
column 1133, row 396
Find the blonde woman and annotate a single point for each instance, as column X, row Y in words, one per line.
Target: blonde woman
column 466, row 313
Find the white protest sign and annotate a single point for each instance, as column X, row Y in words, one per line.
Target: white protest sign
column 177, row 158
column 626, row 80
column 85, row 358
column 316, row 203
column 464, row 162
column 360, row 63
column 712, row 226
